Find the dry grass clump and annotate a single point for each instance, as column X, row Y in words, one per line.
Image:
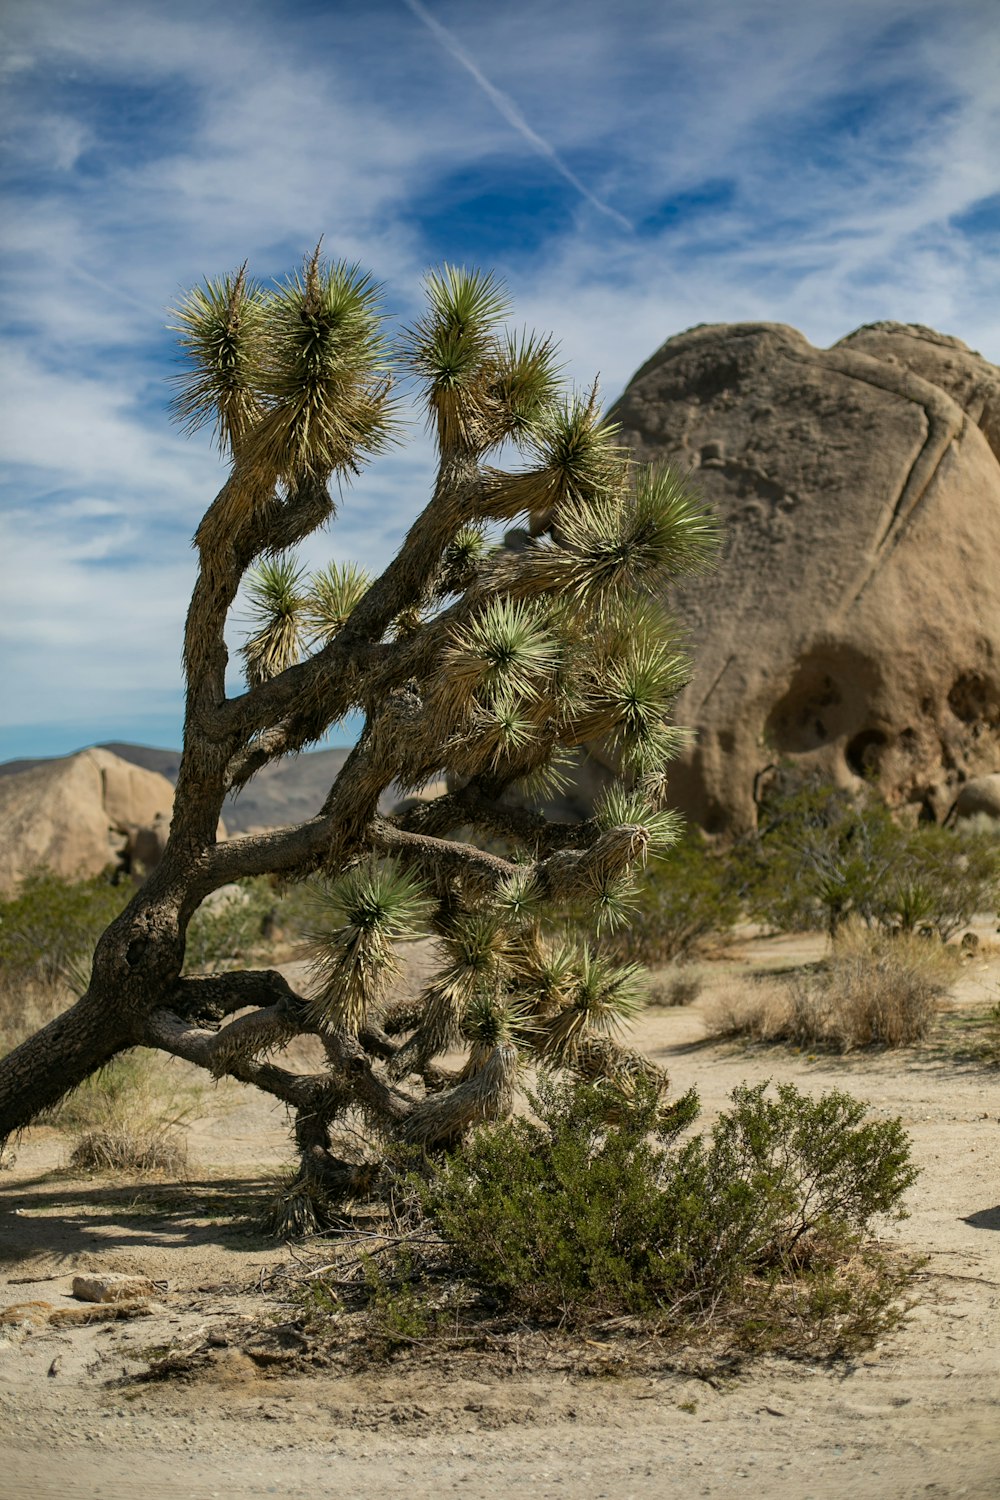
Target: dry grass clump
column 27, row 1003
column 875, row 989
column 123, row 1120
column 759, row 1009
column 879, row 988
column 677, row 984
column 124, row 1148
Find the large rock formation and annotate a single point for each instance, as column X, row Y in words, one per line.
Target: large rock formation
column 853, row 622
column 286, row 792
column 78, row 815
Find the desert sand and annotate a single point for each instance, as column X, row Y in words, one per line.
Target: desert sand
column 917, row 1415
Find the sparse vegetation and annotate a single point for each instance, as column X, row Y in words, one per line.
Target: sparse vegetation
column 691, row 896
column 823, row 856
column 875, row 989
column 125, row 1118
column 675, row 984
column 50, row 922
column 238, row 924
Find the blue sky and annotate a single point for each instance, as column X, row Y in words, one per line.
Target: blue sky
column 630, row 170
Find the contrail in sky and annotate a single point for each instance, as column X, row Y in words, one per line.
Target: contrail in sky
column 508, row 109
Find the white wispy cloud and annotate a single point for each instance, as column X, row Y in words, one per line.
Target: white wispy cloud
column 507, row 108
column 813, row 165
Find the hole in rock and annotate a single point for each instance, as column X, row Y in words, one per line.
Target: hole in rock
column 830, row 694
column 864, row 751
column 974, row 699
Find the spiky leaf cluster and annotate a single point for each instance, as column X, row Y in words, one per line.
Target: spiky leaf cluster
column 331, row 597
column 222, row 336
column 626, row 541
column 323, row 377
column 294, row 379
column 481, row 383
column 360, row 918
column 277, row 602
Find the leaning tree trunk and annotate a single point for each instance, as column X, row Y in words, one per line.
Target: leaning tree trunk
column 136, row 965
column 37, row 1074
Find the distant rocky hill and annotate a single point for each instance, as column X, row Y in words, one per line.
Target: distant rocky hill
column 853, row 621
column 79, row 814
column 283, row 793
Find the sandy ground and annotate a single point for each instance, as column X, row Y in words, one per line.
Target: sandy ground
column 919, row 1415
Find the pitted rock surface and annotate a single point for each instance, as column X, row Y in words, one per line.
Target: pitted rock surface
column 853, row 621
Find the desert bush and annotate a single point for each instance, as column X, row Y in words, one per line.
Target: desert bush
column 564, row 1218
column 231, row 927
column 676, row 984
column 125, row 1119
column 688, row 896
column 952, row 873
column 823, row 855
column 757, row 1008
column 51, row 921
column 989, row 1049
column 875, row 989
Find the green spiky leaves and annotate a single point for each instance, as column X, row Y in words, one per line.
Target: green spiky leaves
column 577, row 460
column 361, row 916
column 623, row 809
column 632, row 543
column 222, row 330
column 277, row 606
column 324, row 376
column 496, row 666
column 518, row 899
column 524, row 384
column 331, row 598
column 482, row 384
column 625, row 700
column 290, row 610
column 604, row 996
column 493, row 1022
column 295, row 379
column 461, row 560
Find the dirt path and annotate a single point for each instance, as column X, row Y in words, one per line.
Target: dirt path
column 918, row 1416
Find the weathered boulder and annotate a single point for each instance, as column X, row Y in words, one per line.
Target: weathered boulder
column 853, row 622
column 79, row 814
column 978, row 798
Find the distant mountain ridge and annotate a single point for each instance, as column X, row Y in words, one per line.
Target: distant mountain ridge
column 287, row 791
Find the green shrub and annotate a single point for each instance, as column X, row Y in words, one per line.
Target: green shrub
column 762, row 1226
column 229, row 926
column 689, row 895
column 951, row 874
column 51, row 922
column 399, row 1308
column 822, row 855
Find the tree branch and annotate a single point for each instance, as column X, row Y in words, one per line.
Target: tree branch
column 164, row 1029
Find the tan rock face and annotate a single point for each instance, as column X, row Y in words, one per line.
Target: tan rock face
column 853, row 622
column 77, row 815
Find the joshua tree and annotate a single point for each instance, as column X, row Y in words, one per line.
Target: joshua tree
column 478, row 663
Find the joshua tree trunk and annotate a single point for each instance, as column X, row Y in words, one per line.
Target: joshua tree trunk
column 487, row 664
